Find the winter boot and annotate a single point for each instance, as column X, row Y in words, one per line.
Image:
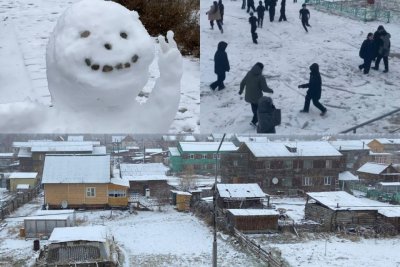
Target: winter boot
column 303, row 111
column 253, row 124
column 323, row 112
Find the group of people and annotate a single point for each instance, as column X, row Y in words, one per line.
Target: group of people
column 375, row 48
column 265, row 116
column 216, row 13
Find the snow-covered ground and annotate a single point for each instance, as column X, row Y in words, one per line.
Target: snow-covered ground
column 287, row 51
column 149, row 238
column 25, row 28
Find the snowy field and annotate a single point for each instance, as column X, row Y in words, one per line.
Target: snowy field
column 25, row 28
column 287, row 51
column 150, row 238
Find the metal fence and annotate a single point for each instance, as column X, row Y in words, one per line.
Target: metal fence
column 377, row 194
column 359, row 10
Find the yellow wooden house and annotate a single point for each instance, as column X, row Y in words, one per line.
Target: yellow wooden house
column 27, row 180
column 82, row 181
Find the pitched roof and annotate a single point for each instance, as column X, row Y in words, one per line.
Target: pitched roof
column 344, row 145
column 347, row 176
column 76, row 169
column 174, row 151
column 292, row 149
column 373, row 168
column 240, row 191
column 142, row 169
column 86, row 233
column 206, row 146
column 253, row 212
column 23, row 175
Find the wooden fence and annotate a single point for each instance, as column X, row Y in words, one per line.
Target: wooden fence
column 17, row 200
column 264, row 255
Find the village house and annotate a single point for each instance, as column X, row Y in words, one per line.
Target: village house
column 380, row 145
column 198, row 157
column 241, row 196
column 7, row 162
column 284, row 167
column 239, row 139
column 31, row 154
column 372, row 173
column 149, row 179
column 340, row 210
column 23, row 180
column 82, row 181
column 355, row 152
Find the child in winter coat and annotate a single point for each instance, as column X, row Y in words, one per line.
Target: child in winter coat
column 265, row 114
column 304, row 16
column 221, row 65
column 314, row 90
column 255, row 84
column 253, row 28
column 260, row 14
column 214, row 14
column 367, row 52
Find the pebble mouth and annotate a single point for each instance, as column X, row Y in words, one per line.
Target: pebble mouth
column 110, row 68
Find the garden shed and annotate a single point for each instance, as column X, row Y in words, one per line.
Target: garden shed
column 41, row 225
column 253, row 220
column 183, row 200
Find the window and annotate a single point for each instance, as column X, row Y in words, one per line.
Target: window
column 307, row 181
column 327, row 180
column 267, row 164
column 90, row 191
column 307, row 164
column 328, row 164
column 216, row 155
column 204, row 156
column 235, row 163
column 116, row 193
column 191, row 156
column 288, row 164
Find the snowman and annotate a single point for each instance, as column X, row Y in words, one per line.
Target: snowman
column 98, row 60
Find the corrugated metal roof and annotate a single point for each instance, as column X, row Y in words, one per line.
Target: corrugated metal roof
column 23, row 175
column 240, row 191
column 76, row 169
column 373, row 168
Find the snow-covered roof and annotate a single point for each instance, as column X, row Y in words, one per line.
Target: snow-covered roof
column 390, row 212
column 344, row 145
column 188, row 138
column 54, row 212
column 63, row 148
column 346, row 201
column 174, row 151
column 253, row 138
column 253, row 212
column 293, row 149
column 99, row 150
column 347, row 176
column 6, row 155
column 387, row 141
column 153, row 177
column 169, row 138
column 142, row 169
column 36, row 144
column 389, row 183
column 240, row 191
column 153, row 150
column 22, row 186
column 75, row 138
column 85, row 233
column 120, row 181
column 206, row 146
column 23, row 175
column 24, row 152
column 58, row 217
column 371, row 153
column 76, row 169
column 373, row 168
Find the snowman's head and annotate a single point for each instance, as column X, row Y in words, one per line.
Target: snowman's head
column 99, row 49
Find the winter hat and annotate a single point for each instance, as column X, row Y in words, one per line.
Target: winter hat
column 370, row 34
column 260, row 3
column 303, row 5
column 380, row 28
column 251, row 13
column 260, row 65
column 314, row 67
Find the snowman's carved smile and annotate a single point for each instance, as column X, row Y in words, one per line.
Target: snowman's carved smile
column 109, row 67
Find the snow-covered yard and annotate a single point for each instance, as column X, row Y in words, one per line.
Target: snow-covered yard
column 287, row 51
column 25, row 28
column 149, row 238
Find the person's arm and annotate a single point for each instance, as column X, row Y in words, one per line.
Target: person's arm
column 242, row 85
column 305, row 85
column 264, row 86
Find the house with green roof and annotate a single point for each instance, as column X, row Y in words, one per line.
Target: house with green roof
column 199, row 157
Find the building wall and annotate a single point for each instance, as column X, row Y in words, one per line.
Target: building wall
column 253, row 223
column 15, row 182
column 118, row 201
column 376, row 146
column 158, row 189
column 75, row 195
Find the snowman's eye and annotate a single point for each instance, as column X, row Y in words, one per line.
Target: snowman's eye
column 123, row 35
column 85, row 34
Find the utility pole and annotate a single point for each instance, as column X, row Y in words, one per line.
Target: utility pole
column 215, row 204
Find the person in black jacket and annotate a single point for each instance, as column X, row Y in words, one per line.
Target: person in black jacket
column 314, row 90
column 265, row 115
column 266, row 3
column 260, row 14
column 283, row 11
column 221, row 65
column 253, row 24
column 250, row 4
column 382, row 48
column 271, row 10
column 304, row 16
column 221, row 11
column 367, row 52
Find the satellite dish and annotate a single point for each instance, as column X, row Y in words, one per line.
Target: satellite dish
column 275, row 180
column 64, row 204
